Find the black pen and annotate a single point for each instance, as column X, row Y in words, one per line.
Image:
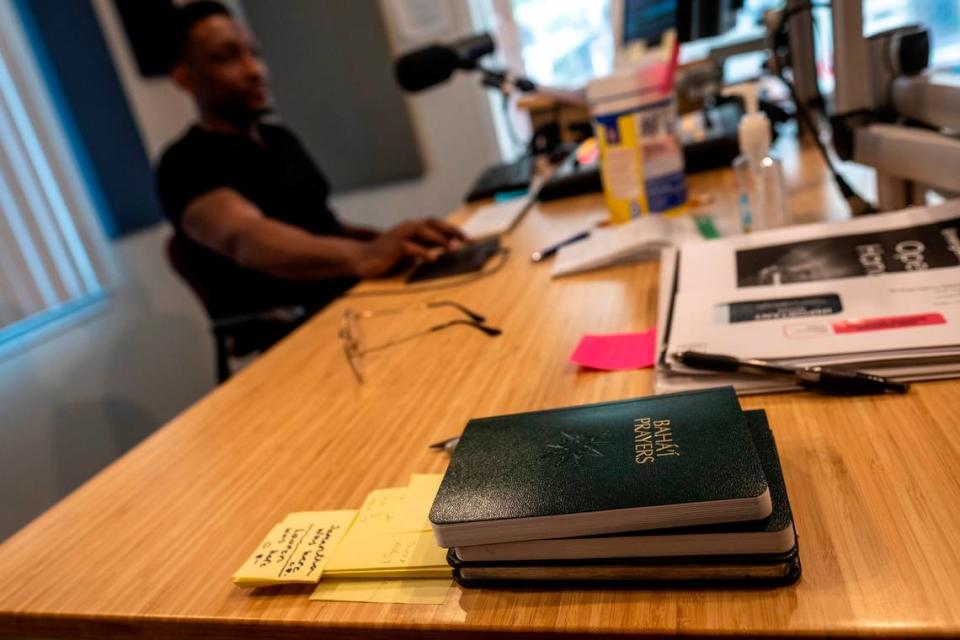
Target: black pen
column 832, row 381
column 543, row 254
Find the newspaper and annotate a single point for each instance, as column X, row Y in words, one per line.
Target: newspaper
column 879, row 293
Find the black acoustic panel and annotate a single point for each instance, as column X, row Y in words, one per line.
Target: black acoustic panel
column 70, row 39
column 332, row 77
column 148, row 25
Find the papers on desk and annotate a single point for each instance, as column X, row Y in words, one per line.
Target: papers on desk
column 414, row 510
column 495, row 219
column 372, row 548
column 879, row 293
column 385, row 552
column 639, row 239
column 429, row 591
column 296, row 550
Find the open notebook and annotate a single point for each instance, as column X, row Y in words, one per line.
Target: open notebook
column 495, row 219
column 639, row 239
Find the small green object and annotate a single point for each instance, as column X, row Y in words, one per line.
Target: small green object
column 503, row 196
column 706, row 227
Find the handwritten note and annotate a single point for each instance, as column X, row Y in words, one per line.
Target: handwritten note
column 296, row 550
column 394, row 591
column 380, row 509
column 372, row 547
column 617, row 351
column 415, row 508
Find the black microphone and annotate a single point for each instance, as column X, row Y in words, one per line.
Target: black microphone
column 472, row 48
column 425, row 68
column 434, row 64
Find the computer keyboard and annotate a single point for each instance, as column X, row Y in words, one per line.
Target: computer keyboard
column 502, row 177
column 571, row 178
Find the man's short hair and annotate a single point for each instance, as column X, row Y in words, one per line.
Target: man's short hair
column 184, row 18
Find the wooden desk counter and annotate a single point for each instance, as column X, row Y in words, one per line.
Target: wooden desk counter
column 147, row 547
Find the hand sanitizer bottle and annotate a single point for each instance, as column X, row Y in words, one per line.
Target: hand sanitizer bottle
column 759, row 175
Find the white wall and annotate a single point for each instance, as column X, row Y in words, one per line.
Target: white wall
column 84, row 395
column 455, row 130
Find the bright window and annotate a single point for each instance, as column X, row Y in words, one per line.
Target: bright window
column 53, row 256
column 564, row 43
column 941, row 17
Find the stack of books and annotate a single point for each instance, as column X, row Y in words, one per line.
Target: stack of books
column 681, row 488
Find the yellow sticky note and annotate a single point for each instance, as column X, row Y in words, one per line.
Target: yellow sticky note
column 371, row 543
column 346, row 590
column 296, row 550
column 365, row 549
column 385, row 591
column 380, row 509
column 417, row 572
column 415, row 508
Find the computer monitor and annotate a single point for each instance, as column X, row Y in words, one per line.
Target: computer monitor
column 648, row 20
column 705, row 18
column 645, row 20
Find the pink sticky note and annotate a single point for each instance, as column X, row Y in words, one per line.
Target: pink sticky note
column 617, row 351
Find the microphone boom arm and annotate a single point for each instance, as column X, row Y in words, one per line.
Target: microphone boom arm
column 504, row 82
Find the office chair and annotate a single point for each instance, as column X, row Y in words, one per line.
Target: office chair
column 235, row 336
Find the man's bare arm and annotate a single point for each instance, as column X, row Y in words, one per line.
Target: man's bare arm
column 357, row 232
column 224, row 221
column 426, row 232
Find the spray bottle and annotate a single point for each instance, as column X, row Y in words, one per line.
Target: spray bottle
column 759, row 175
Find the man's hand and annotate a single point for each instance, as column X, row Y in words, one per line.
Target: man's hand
column 380, row 256
column 428, row 233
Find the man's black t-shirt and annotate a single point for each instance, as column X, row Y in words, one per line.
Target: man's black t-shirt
column 280, row 179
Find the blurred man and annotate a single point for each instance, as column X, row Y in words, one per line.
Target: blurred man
column 248, row 204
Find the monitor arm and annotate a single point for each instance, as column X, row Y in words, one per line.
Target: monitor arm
column 891, row 113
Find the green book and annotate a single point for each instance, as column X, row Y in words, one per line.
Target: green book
column 658, row 462
column 771, row 536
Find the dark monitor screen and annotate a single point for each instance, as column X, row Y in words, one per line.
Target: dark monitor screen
column 648, row 20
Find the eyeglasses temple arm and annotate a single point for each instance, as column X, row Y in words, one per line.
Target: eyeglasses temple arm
column 456, row 305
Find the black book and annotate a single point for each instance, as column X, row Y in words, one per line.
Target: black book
column 770, row 570
column 772, row 535
column 657, row 462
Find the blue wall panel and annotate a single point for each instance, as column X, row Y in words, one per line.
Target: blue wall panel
column 83, row 82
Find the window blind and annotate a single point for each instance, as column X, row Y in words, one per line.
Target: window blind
column 53, row 254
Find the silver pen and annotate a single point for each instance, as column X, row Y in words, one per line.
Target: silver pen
column 447, row 445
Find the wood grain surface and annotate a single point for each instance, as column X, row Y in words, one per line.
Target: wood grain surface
column 147, row 547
